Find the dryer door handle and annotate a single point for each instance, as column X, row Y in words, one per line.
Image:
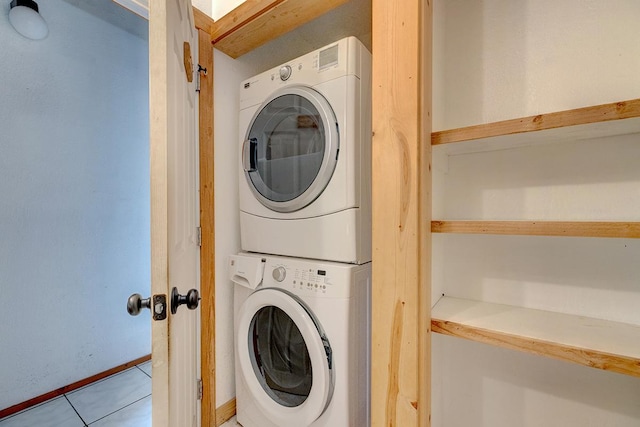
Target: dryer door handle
column 250, row 154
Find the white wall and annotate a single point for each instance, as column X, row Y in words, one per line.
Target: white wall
column 351, row 19
column 222, row 7
column 228, row 75
column 205, row 6
column 74, row 191
column 500, row 59
column 214, row 8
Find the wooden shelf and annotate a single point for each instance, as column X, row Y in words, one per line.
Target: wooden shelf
column 618, row 118
column 612, row 346
column 541, row 228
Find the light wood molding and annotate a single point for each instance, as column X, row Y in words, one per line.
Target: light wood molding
column 597, row 343
column 425, row 46
column 203, row 21
column 225, row 412
column 401, row 185
column 207, row 225
column 541, row 228
column 563, row 119
column 255, row 22
column 246, row 12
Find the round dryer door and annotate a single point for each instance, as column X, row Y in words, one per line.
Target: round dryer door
column 284, row 358
column 291, row 149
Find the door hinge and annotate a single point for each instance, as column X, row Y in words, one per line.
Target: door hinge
column 201, row 70
column 199, row 391
column 199, row 236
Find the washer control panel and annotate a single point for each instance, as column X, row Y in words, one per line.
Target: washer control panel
column 311, row 279
column 307, row 278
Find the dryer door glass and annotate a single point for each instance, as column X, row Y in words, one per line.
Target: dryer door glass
column 291, row 149
column 282, row 362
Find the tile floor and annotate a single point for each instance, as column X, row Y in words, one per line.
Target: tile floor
column 121, row 400
column 231, row 423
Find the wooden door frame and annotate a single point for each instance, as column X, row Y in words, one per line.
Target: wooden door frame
column 401, row 207
column 207, row 222
column 401, row 186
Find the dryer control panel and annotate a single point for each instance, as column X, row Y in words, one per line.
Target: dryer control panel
column 339, row 59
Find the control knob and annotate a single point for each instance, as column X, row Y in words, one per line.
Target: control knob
column 279, row 273
column 285, row 72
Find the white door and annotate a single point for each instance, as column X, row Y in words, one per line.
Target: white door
column 174, row 209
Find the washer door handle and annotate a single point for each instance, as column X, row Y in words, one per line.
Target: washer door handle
column 250, row 154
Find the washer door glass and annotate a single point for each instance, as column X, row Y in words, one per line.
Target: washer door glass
column 291, row 149
column 283, row 357
column 280, row 355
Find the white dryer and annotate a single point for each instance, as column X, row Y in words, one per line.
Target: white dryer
column 305, row 154
column 301, row 342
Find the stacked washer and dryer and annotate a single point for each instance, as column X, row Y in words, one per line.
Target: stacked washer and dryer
column 302, row 285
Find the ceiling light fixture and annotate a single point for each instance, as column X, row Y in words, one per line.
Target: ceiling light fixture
column 26, row 19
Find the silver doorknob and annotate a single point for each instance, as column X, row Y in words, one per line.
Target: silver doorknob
column 136, row 303
column 191, row 299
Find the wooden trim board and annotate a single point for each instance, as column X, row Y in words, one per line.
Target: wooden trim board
column 71, row 387
column 225, row 412
column 401, row 188
column 597, row 343
column 256, row 22
column 541, row 228
column 207, row 224
column 203, row 21
column 242, row 15
column 563, row 119
column 425, row 185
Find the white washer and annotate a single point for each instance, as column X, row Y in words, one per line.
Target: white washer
column 305, row 184
column 301, row 342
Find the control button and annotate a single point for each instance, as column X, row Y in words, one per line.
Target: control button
column 285, row 72
column 279, row 274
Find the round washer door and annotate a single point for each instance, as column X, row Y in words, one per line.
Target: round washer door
column 291, row 149
column 284, row 358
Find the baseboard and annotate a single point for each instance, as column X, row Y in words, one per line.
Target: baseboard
column 225, row 412
column 78, row 384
